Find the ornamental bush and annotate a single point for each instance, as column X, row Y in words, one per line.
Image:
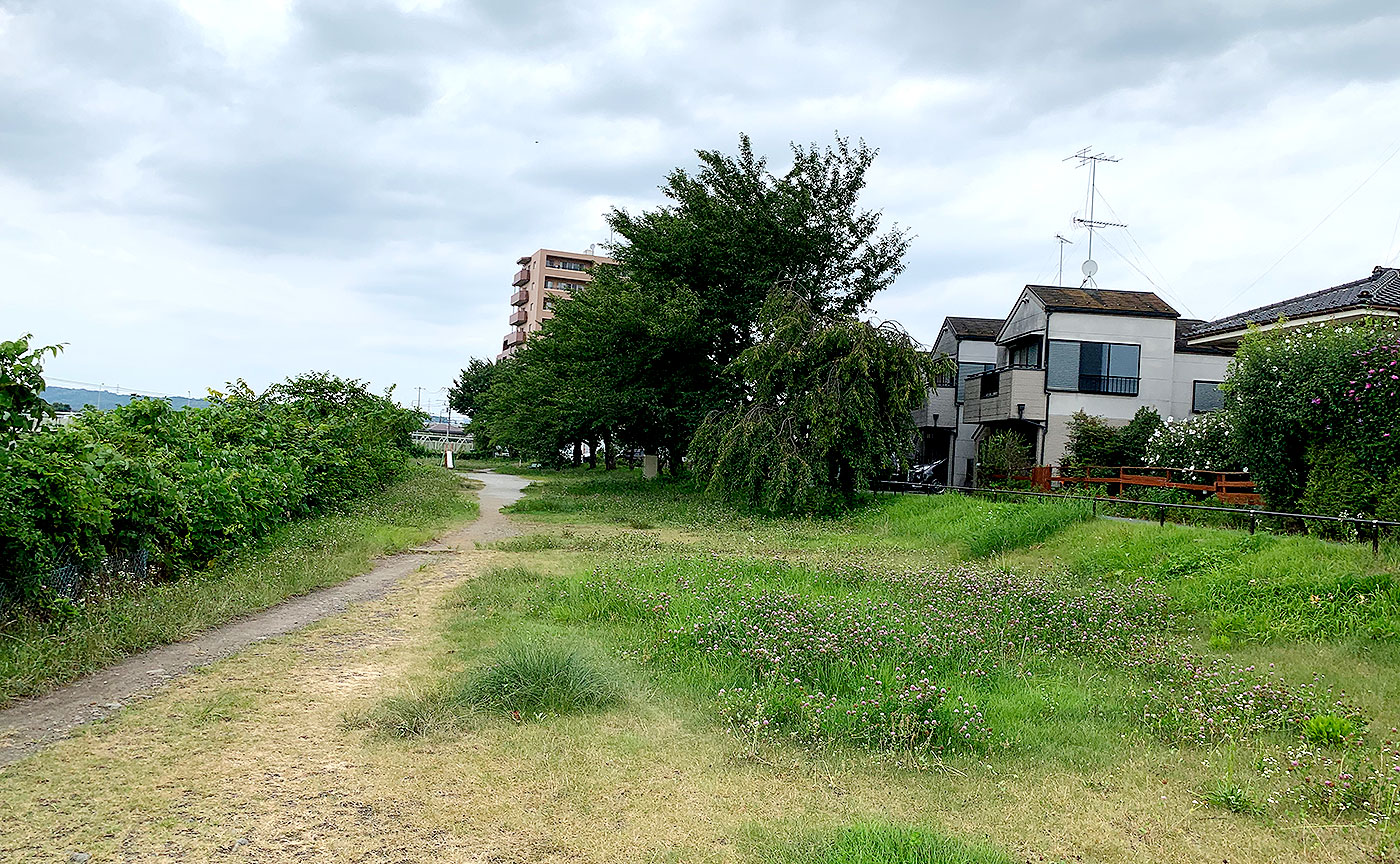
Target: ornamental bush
column 1298, row 398
column 1199, row 443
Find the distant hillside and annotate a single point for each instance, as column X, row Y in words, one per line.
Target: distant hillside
column 77, row 398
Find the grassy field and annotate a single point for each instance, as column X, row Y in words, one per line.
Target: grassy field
column 36, row 654
column 643, row 675
column 958, row 634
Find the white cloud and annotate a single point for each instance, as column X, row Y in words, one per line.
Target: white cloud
column 197, row 191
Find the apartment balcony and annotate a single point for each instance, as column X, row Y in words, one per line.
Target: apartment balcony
column 513, row 338
column 518, row 317
column 520, row 298
column 1014, row 393
column 521, row 278
column 939, row 411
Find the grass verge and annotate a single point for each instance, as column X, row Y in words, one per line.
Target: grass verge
column 37, row 654
column 878, row 843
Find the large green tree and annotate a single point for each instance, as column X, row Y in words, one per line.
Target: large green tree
column 828, row 408
column 638, row 356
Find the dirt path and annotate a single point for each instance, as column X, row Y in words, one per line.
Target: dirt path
column 33, row 723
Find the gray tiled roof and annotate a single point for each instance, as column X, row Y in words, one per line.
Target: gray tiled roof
column 1383, row 286
column 976, row 329
column 1142, row 304
column 1185, row 329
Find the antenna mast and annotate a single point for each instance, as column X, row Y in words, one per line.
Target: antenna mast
column 1060, row 278
column 1087, row 157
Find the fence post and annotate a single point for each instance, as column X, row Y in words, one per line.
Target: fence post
column 1375, row 538
column 1253, row 520
column 1162, row 516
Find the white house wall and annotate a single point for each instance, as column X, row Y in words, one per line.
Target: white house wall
column 965, row 444
column 1028, row 316
column 1191, row 368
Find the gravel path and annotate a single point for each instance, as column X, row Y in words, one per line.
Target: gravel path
column 29, row 725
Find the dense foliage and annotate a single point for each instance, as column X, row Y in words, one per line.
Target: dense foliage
column 1314, row 405
column 829, row 407
column 1005, row 454
column 183, row 487
column 1096, row 441
column 637, row 358
column 1198, row 443
column 22, row 408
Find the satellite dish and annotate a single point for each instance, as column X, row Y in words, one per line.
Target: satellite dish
column 1090, row 268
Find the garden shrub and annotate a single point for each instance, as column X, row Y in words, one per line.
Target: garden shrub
column 1198, row 443
column 1005, row 453
column 1289, row 390
column 1094, row 440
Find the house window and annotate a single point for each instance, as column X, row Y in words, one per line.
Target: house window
column 562, row 286
column 1025, row 355
column 1206, row 397
column 966, row 369
column 1093, row 367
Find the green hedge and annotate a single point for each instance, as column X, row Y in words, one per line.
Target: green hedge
column 187, row 486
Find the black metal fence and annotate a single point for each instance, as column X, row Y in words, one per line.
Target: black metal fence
column 1250, row 513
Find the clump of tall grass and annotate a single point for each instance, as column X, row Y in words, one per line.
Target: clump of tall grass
column 526, row 681
column 879, row 843
column 530, row 678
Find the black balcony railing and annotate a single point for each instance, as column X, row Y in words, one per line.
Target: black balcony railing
column 1114, row 385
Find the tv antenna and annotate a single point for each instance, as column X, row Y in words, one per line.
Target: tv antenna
column 1086, row 156
column 1060, row 278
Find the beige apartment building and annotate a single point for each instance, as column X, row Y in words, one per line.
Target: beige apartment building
column 545, row 278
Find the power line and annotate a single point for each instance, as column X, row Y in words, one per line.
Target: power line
column 1394, row 150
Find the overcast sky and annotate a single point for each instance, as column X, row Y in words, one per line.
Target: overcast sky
column 193, row 191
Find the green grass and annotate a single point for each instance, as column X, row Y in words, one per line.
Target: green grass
column 1243, row 588
column 37, row 654
column 877, row 843
column 526, row 680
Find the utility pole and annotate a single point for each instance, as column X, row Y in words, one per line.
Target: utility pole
column 418, row 403
column 1085, row 157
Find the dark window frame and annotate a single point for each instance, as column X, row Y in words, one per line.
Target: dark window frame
column 1194, row 385
column 1106, row 384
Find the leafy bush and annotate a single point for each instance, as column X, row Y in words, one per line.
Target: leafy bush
column 1198, row 443
column 1005, row 453
column 1094, row 440
column 187, row 486
column 1288, row 390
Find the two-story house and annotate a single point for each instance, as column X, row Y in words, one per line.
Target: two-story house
column 1107, row 353
column 943, row 433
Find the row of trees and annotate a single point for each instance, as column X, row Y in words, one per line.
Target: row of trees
column 179, row 487
column 728, row 330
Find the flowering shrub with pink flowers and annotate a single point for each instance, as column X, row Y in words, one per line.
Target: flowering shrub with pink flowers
column 1322, row 399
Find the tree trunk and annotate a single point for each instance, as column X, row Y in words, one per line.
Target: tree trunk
column 609, row 455
column 578, row 453
column 593, row 453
